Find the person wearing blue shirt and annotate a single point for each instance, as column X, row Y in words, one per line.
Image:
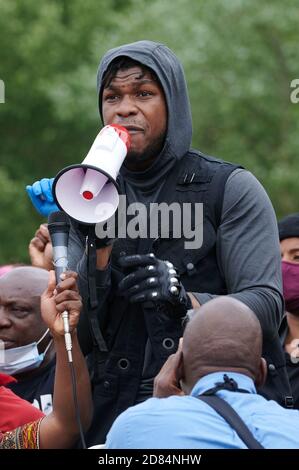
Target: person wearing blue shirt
column 222, row 343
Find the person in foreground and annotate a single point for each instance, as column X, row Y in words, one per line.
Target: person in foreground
column 59, row 429
column 220, row 354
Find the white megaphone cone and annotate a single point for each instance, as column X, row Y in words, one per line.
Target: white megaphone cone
column 88, row 192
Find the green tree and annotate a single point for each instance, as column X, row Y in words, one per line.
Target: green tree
column 50, row 115
column 240, row 57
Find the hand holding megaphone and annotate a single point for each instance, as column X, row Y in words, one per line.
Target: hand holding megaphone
column 88, row 192
column 41, row 196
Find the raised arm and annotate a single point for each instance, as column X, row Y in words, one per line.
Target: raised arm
column 60, row 429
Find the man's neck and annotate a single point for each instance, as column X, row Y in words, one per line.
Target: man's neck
column 138, row 166
column 204, row 371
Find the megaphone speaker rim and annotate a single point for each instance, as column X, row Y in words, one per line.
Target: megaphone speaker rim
column 87, row 167
column 83, row 165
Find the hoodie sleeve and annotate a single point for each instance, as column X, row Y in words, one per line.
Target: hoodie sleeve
column 248, row 250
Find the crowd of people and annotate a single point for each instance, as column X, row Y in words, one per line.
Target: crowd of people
column 175, row 347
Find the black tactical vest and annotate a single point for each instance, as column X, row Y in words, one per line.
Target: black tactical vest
column 196, row 179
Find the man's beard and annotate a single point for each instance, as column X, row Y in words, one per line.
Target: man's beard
column 139, row 161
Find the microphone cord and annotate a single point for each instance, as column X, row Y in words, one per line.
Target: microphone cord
column 68, row 345
column 76, row 404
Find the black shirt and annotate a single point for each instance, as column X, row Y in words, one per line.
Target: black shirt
column 38, row 389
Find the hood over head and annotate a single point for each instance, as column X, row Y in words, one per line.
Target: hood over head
column 169, row 71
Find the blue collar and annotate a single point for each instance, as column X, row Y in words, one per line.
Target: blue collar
column 208, row 381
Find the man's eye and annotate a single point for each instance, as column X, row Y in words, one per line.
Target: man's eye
column 144, row 93
column 110, row 97
column 20, row 310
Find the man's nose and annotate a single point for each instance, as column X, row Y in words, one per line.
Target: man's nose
column 5, row 321
column 127, row 107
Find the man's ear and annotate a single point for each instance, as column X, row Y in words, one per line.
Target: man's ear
column 185, row 387
column 262, row 373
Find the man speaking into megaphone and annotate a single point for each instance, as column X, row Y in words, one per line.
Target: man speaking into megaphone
column 138, row 290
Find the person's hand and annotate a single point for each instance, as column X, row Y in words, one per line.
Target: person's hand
column 41, row 196
column 167, row 382
column 56, row 299
column 154, row 280
column 40, row 249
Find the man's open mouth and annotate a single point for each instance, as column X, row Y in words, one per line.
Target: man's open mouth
column 133, row 129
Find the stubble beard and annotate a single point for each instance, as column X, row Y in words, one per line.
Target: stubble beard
column 141, row 160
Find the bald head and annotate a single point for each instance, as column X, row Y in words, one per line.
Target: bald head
column 28, row 279
column 223, row 335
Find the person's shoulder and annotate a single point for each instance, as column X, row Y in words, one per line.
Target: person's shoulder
column 208, row 168
column 137, row 416
column 241, row 175
column 201, row 156
column 266, row 407
column 244, row 194
column 242, row 182
column 146, row 407
column 132, row 418
column 270, row 411
column 16, row 411
column 265, row 414
column 4, row 392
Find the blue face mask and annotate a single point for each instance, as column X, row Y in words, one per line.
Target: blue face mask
column 22, row 359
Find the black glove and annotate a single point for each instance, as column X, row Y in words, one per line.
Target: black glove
column 152, row 279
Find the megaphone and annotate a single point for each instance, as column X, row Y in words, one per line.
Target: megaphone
column 88, row 192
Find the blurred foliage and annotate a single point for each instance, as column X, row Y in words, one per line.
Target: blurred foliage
column 240, row 57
